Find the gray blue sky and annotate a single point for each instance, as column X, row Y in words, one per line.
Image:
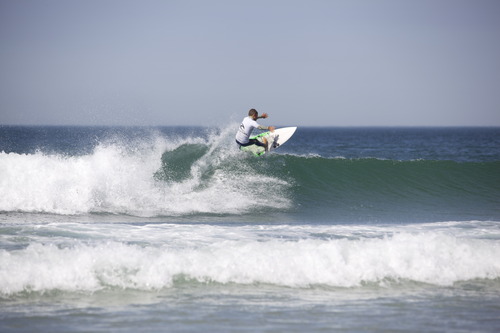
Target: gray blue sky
column 306, row 63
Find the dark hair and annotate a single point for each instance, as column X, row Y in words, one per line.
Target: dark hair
column 252, row 112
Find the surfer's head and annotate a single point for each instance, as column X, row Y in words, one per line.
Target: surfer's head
column 253, row 113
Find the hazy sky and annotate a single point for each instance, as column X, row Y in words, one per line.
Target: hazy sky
column 327, row 63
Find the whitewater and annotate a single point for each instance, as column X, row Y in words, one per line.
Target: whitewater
column 356, row 229
column 122, row 178
column 152, row 257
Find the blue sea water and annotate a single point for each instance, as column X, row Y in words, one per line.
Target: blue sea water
column 174, row 229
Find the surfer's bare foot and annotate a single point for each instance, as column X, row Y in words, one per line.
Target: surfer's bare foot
column 264, row 141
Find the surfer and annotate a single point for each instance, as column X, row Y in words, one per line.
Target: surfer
column 247, row 126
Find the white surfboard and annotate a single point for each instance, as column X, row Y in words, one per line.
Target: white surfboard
column 274, row 140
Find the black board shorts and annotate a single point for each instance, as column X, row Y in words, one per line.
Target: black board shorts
column 251, row 142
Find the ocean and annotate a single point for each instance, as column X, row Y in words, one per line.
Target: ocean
column 126, row 229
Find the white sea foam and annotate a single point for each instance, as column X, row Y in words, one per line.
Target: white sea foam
column 119, row 178
column 245, row 255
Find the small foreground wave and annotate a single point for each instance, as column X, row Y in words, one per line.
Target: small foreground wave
column 211, row 254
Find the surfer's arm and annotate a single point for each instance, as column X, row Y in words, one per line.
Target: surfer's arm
column 267, row 128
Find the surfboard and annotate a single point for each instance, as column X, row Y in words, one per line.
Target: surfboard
column 274, row 140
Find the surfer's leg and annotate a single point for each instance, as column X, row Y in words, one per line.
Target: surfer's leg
column 264, row 141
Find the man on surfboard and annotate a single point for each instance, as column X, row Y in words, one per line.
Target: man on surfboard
column 247, row 126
